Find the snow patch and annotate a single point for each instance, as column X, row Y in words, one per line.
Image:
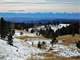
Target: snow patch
column 65, row 51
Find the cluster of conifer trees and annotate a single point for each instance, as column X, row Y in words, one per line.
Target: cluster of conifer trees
column 6, row 31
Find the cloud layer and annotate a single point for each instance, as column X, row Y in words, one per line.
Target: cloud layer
column 40, row 5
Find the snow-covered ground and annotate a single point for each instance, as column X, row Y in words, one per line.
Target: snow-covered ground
column 54, row 27
column 22, row 50
column 8, row 52
column 25, row 50
column 24, row 33
column 65, row 51
column 59, row 48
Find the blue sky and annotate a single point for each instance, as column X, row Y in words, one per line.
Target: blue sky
column 40, row 5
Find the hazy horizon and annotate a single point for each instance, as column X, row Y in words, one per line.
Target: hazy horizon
column 39, row 5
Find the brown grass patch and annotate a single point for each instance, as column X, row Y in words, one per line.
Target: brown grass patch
column 52, row 56
column 69, row 38
column 26, row 37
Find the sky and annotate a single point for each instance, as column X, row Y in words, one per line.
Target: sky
column 39, row 5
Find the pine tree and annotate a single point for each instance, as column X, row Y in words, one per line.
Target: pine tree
column 10, row 39
column 4, row 28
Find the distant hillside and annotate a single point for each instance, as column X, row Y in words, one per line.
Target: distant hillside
column 41, row 17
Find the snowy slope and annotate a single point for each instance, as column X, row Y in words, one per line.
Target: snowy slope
column 8, row 52
column 22, row 51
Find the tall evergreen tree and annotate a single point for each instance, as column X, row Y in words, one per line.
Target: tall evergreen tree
column 3, row 28
column 10, row 39
column 2, row 25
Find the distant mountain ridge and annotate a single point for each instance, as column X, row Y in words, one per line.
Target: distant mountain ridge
column 40, row 17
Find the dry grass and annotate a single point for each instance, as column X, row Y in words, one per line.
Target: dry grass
column 69, row 38
column 65, row 38
column 26, row 37
column 51, row 56
column 22, row 37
